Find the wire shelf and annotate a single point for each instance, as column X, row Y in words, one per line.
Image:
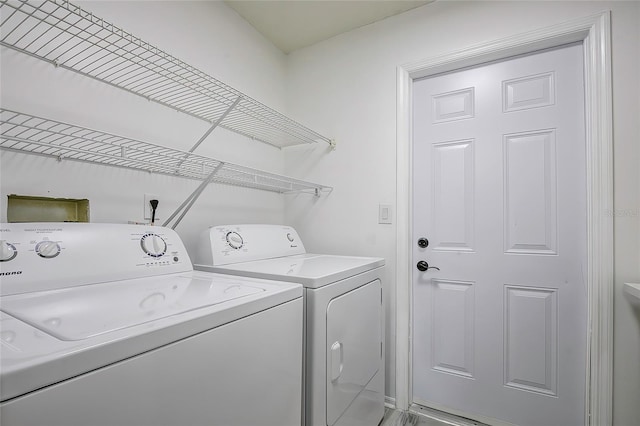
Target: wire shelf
column 36, row 135
column 69, row 37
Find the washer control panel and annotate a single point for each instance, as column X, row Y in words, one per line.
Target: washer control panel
column 43, row 256
column 223, row 245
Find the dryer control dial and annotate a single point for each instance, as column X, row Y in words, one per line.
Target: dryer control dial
column 7, row 251
column 235, row 240
column 153, row 245
column 47, row 249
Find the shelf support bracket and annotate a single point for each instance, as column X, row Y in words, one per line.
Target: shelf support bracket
column 211, row 129
column 216, row 124
column 191, row 199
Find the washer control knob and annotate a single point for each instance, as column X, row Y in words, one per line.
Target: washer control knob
column 235, row 240
column 153, row 245
column 290, row 237
column 7, row 251
column 47, row 249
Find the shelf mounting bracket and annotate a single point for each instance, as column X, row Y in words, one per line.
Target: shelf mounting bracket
column 191, row 199
column 216, row 123
column 211, row 129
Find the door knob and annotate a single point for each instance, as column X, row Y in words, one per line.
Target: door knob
column 423, row 266
column 423, row 242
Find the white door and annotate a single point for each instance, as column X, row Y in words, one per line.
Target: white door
column 499, row 332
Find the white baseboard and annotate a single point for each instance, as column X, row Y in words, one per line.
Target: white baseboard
column 389, row 402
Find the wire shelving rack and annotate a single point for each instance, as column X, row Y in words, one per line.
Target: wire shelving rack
column 41, row 136
column 65, row 35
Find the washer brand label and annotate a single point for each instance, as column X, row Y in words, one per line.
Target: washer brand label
column 11, row 273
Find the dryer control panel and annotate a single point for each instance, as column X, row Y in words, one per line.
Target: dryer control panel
column 227, row 244
column 45, row 256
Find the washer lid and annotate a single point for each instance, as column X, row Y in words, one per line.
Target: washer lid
column 310, row 270
column 78, row 313
column 131, row 319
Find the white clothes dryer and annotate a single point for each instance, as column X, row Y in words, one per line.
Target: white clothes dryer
column 109, row 325
column 344, row 320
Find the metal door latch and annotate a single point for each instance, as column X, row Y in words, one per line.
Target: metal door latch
column 423, row 266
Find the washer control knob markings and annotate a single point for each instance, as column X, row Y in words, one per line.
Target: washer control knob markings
column 47, row 249
column 153, row 245
column 290, row 237
column 235, row 240
column 7, row 251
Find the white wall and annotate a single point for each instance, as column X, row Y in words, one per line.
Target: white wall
column 209, row 36
column 345, row 87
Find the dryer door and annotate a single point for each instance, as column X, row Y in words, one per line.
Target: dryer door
column 354, row 348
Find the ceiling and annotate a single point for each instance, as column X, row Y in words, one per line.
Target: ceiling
column 294, row 24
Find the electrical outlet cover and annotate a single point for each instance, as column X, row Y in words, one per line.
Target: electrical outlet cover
column 147, row 206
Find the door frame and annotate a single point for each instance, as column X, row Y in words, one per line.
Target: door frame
column 595, row 34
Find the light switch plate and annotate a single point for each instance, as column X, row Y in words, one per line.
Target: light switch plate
column 384, row 213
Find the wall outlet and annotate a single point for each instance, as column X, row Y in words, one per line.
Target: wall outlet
column 147, row 206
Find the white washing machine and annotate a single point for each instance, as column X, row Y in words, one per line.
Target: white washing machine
column 344, row 321
column 109, row 325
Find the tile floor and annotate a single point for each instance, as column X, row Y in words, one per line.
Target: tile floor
column 426, row 417
column 403, row 418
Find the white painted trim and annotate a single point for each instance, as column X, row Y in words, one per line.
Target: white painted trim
column 599, row 126
column 595, row 34
column 404, row 172
column 389, row 402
